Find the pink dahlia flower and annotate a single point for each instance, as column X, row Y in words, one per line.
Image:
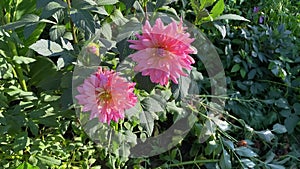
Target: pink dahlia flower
column 106, row 95
column 163, row 51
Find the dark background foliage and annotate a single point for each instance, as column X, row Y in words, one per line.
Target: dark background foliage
column 40, row 40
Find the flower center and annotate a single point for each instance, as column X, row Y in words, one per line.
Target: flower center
column 160, row 52
column 104, row 95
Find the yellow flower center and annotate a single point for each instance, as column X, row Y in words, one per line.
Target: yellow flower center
column 104, row 95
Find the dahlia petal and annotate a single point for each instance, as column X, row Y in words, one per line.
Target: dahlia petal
column 163, row 51
column 106, row 95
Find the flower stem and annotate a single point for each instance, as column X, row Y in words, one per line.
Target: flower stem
column 18, row 71
column 72, row 24
column 145, row 9
column 193, row 162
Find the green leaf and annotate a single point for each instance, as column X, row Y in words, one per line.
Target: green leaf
column 232, row 17
column 196, row 75
column 100, row 10
column 154, row 104
column 171, row 107
column 26, row 165
column 291, row 122
column 46, row 48
column 279, row 128
column 26, row 19
column 34, row 128
column 3, row 101
column 235, row 68
column 128, row 3
column 160, row 3
column 20, row 141
column 132, row 26
column 33, row 36
column 48, row 70
column 208, row 130
column 296, row 107
column 243, row 72
column 83, row 4
column 282, row 103
column 118, row 18
column 24, row 7
column 134, row 111
column 206, row 3
column 270, row 156
column 228, row 144
column 43, row 3
column 65, row 59
column 211, row 147
column 222, row 124
column 107, row 2
column 170, row 10
column 183, row 88
column 66, row 98
column 29, row 29
column 147, row 121
column 51, row 161
column 245, row 152
column 52, row 7
column 84, row 20
column 248, row 162
column 33, row 160
column 49, row 121
column 266, row 135
column 68, row 46
column 252, row 74
column 57, row 31
column 23, row 60
column 285, row 113
column 106, row 31
column 218, row 9
column 138, row 7
column 276, row 166
column 225, row 161
column 221, row 28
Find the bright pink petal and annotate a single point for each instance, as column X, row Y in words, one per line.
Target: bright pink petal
column 163, row 51
column 106, row 95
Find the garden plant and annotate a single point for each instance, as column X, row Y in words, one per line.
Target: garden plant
column 149, row 84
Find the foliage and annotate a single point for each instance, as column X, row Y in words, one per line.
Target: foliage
column 258, row 129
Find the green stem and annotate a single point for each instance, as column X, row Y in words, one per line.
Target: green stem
column 145, row 9
column 72, row 24
column 18, row 71
column 278, row 83
column 193, row 162
column 22, row 81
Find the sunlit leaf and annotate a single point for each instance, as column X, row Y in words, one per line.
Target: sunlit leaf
column 217, row 9
column 48, row 160
column 107, row 2
column 276, row 166
column 225, row 161
column 46, row 48
column 245, row 152
column 232, row 17
column 52, row 7
column 56, row 31
column 20, row 141
column 266, row 135
column 248, row 163
column 147, row 121
column 83, row 19
column 279, row 128
column 26, row 165
column 23, row 60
